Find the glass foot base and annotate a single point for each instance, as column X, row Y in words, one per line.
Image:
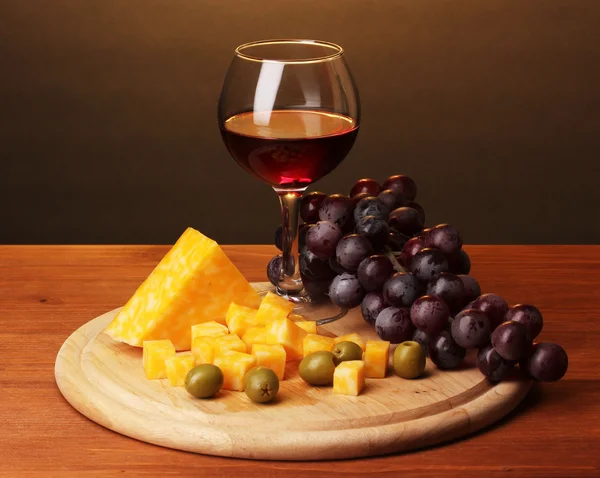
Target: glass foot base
column 322, row 311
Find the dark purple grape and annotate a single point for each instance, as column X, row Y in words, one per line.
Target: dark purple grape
column 358, row 197
column 402, row 183
column 547, row 362
column 402, row 289
column 392, row 198
column 430, row 314
column 406, row 220
column 491, row 364
column 310, row 205
column 274, row 270
column 337, row 208
column 365, row 185
column 445, row 352
column 374, row 271
column 422, row 339
column 527, row 315
column 302, row 231
column 314, row 267
column 445, row 238
column 492, row 305
column 396, row 240
column 428, row 263
column 351, row 250
column 372, row 304
column 450, row 288
column 460, row 263
column 418, row 208
column 471, row 329
column 322, row 239
column 393, row 324
column 511, row 340
column 345, row 291
column 317, row 289
column 279, row 238
column 335, row 267
column 370, row 206
column 412, row 246
column 472, row 289
column 375, row 230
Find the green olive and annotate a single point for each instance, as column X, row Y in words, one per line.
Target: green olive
column 317, row 368
column 409, row 359
column 344, row 351
column 204, row 380
column 261, row 384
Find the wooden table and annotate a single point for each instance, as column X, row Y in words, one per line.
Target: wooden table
column 46, row 292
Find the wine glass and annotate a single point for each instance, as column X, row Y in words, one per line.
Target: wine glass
column 289, row 114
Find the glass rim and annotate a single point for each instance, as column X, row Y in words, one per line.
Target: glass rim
column 338, row 51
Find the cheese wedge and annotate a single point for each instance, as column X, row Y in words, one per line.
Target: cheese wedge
column 194, row 283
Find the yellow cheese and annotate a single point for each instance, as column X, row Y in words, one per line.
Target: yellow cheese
column 254, row 335
column 273, row 307
column 353, row 337
column 309, row 325
column 296, row 317
column 349, row 378
column 316, row 343
column 234, row 366
column 271, row 356
column 229, row 343
column 240, row 318
column 154, row 355
column 208, row 329
column 194, row 283
column 178, row 367
column 377, row 355
column 285, row 332
column 203, row 349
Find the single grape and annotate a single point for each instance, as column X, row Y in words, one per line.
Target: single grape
column 430, row 314
column 279, row 238
column 302, row 231
column 370, row 206
column 345, row 291
column 322, row 239
column 418, row 208
column 358, row 197
column 411, row 247
column 393, row 324
column 450, row 288
column 317, row 289
column 527, row 315
column 444, row 238
column 491, row 364
column 375, row 230
column 274, row 270
column 372, row 304
column 472, row 288
column 337, row 208
column 406, row 220
column 402, row 289
column 471, row 329
column 365, row 185
column 422, row 339
column 445, row 352
column 460, row 263
column 336, row 267
column 313, row 267
column 492, row 305
column 427, row 263
column 351, row 250
column 511, row 340
column 547, row 362
column 402, row 183
column 392, row 198
column 396, row 240
column 310, row 205
column 373, row 271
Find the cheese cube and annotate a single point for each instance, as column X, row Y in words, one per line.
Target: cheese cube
column 240, row 318
column 296, row 318
column 178, row 367
column 309, row 325
column 271, row 356
column 376, row 357
column 194, row 283
column 353, row 337
column 316, row 343
column 229, row 343
column 254, row 335
column 285, row 332
column 154, row 355
column 273, row 307
column 208, row 329
column 234, row 366
column 349, row 378
column 203, row 349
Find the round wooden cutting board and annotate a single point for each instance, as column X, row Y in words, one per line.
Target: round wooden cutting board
column 104, row 380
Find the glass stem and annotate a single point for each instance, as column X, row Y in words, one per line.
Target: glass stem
column 290, row 282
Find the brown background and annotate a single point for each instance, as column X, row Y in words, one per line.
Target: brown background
column 108, row 130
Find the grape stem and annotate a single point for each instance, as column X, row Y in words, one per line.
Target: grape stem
column 390, row 254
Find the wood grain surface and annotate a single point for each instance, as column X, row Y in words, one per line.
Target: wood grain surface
column 47, row 292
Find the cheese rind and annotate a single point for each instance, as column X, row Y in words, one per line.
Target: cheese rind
column 316, row 343
column 178, row 367
column 349, row 378
column 193, row 283
column 154, row 356
column 235, row 366
column 273, row 307
column 353, row 337
column 271, row 356
column 376, row 357
column 285, row 332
